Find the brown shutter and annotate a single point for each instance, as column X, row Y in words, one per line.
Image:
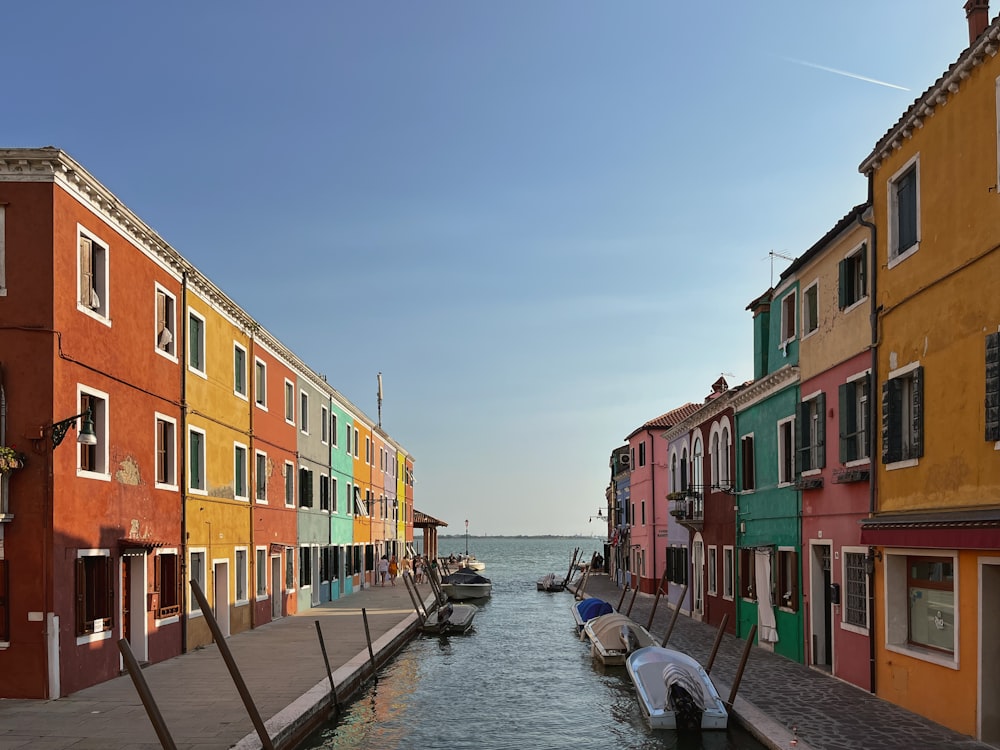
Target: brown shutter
column 161, row 312
column 86, row 271
column 109, row 611
column 81, row 589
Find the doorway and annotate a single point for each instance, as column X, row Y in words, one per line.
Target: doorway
column 133, row 603
column 698, row 575
column 821, row 614
column 989, row 650
column 314, row 576
column 220, row 595
column 275, row 587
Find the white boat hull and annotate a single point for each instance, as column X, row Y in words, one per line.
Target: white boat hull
column 607, row 641
column 646, row 668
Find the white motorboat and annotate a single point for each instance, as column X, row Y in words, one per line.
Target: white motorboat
column 588, row 609
column 674, row 691
column 470, row 562
column 614, row 636
column 466, row 584
column 549, row 582
column 449, row 618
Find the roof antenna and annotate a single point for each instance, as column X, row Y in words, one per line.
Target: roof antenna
column 774, row 255
column 379, row 394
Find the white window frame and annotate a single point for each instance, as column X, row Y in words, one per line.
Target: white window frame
column 237, row 449
column 728, row 572
column 259, row 383
column 261, row 570
column 289, row 402
column 892, row 206
column 896, row 594
column 357, row 439
column 844, row 625
column 334, row 504
column 245, row 395
column 816, row 430
column 105, row 633
column 324, row 428
column 304, row 412
column 853, row 253
column 192, row 490
column 102, row 281
column 712, row 560
column 814, row 288
column 290, row 499
column 333, row 428
column 101, row 421
column 169, row 324
column 204, row 346
column 902, row 372
column 258, row 455
column 193, row 609
column 789, row 305
column 241, row 578
column 786, row 481
column 863, row 375
column 171, row 451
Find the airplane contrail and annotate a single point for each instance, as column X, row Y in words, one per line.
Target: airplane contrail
column 845, row 73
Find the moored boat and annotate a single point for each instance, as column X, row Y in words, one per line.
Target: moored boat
column 614, row 636
column 449, row 619
column 466, row 584
column 549, row 582
column 674, row 691
column 589, row 608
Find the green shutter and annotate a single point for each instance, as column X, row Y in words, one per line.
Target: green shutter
column 821, row 431
column 846, row 400
column 993, row 386
column 842, row 270
column 862, row 261
column 917, row 413
column 892, row 437
column 801, row 440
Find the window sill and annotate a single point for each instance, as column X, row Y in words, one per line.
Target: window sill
column 259, row 405
column 854, row 305
column 866, row 461
column 4, row 645
column 170, row 356
column 161, row 623
column 6, row 517
column 897, row 259
column 82, row 474
column 172, row 487
column 904, row 464
column 853, row 628
column 924, row 655
column 91, row 313
column 83, row 640
column 200, row 373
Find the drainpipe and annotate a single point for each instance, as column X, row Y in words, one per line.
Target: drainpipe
column 872, row 380
column 182, row 463
column 252, row 489
column 652, row 469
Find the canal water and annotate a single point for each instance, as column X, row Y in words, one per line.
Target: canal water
column 521, row 678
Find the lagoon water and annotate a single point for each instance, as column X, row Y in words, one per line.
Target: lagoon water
column 521, row 678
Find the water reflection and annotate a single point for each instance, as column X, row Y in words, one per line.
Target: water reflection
column 520, row 678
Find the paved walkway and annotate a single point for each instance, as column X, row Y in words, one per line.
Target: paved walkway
column 281, row 663
column 777, row 694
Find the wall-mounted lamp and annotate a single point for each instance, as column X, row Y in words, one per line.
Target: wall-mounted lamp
column 58, row 430
column 873, row 555
column 599, row 515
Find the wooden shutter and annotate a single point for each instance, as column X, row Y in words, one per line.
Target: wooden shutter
column 161, row 313
column 993, row 386
column 802, row 446
column 86, row 271
column 862, row 271
column 846, row 398
column 820, row 431
column 81, row 591
column 843, row 270
column 892, row 429
column 917, row 413
column 906, row 210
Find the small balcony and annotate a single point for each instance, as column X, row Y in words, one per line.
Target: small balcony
column 688, row 507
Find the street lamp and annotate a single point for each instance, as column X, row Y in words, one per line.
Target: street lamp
column 599, row 515
column 85, row 436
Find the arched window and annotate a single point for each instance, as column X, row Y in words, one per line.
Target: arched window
column 724, row 469
column 673, row 473
column 716, row 469
column 697, row 463
column 684, row 469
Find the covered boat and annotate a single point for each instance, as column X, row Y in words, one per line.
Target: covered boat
column 549, row 582
column 466, row 584
column 588, row 609
column 449, row 618
column 674, row 691
column 614, row 636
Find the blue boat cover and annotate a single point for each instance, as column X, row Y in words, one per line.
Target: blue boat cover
column 593, row 607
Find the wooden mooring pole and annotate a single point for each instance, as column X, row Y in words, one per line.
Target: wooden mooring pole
column 673, row 620
column 329, row 672
column 656, row 601
column 572, row 562
column 743, row 663
column 718, row 640
column 635, row 593
column 146, row 696
column 368, row 637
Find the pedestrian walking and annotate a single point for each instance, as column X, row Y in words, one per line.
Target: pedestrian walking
column 383, row 569
column 393, row 570
column 404, row 565
column 418, row 569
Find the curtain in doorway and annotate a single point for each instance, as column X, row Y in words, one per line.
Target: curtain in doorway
column 766, row 626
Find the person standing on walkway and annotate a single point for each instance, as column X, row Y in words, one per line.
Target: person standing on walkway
column 393, row 570
column 383, row 569
column 404, row 565
column 418, row 569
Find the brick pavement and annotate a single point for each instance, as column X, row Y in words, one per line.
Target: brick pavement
column 777, row 694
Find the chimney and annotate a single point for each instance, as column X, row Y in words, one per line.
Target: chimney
column 978, row 14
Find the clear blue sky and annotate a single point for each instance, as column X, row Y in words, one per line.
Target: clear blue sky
column 541, row 221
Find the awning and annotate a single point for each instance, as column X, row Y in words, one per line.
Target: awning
column 277, row 549
column 140, row 547
column 965, row 529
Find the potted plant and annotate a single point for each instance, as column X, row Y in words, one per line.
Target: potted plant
column 10, row 459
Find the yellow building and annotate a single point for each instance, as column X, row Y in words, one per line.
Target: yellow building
column 935, row 534
column 216, row 460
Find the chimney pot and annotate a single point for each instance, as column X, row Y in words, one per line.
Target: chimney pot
column 978, row 14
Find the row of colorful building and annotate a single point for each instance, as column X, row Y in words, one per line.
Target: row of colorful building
column 846, row 501
column 152, row 433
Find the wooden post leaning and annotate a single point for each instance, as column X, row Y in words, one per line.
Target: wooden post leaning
column 743, row 663
column 572, row 562
column 146, row 696
column 368, row 637
column 715, row 646
column 656, row 601
column 329, row 672
column 673, row 620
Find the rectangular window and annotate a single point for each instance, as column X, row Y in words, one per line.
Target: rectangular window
column 196, row 343
column 747, row 574
column 166, row 451
column 304, row 411
column 239, row 370
column 810, row 309
column 305, row 488
column 92, row 275
column 930, row 587
column 811, row 435
column 747, row 461
column 95, row 593
column 368, row 450
column 260, row 477
column 348, row 499
column 904, row 208
column 713, row 571
column 333, row 429
column 357, row 447
column 334, row 505
column 727, row 572
column 290, row 568
column 241, row 575
column 903, row 416
column 324, row 492
column 643, row 510
column 642, row 453
column 197, row 574
column 324, row 421
column 4, row 600
column 166, row 322
column 167, row 584
column 853, row 278
column 788, row 579
column 993, row 387
column 261, row 565
column 196, row 460
column 93, row 459
column 305, row 567
column 854, row 419
column 240, row 471
column 788, row 305
column 260, row 384
column 289, row 402
column 289, row 484
column 786, row 451
column 856, row 589
column 677, row 565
